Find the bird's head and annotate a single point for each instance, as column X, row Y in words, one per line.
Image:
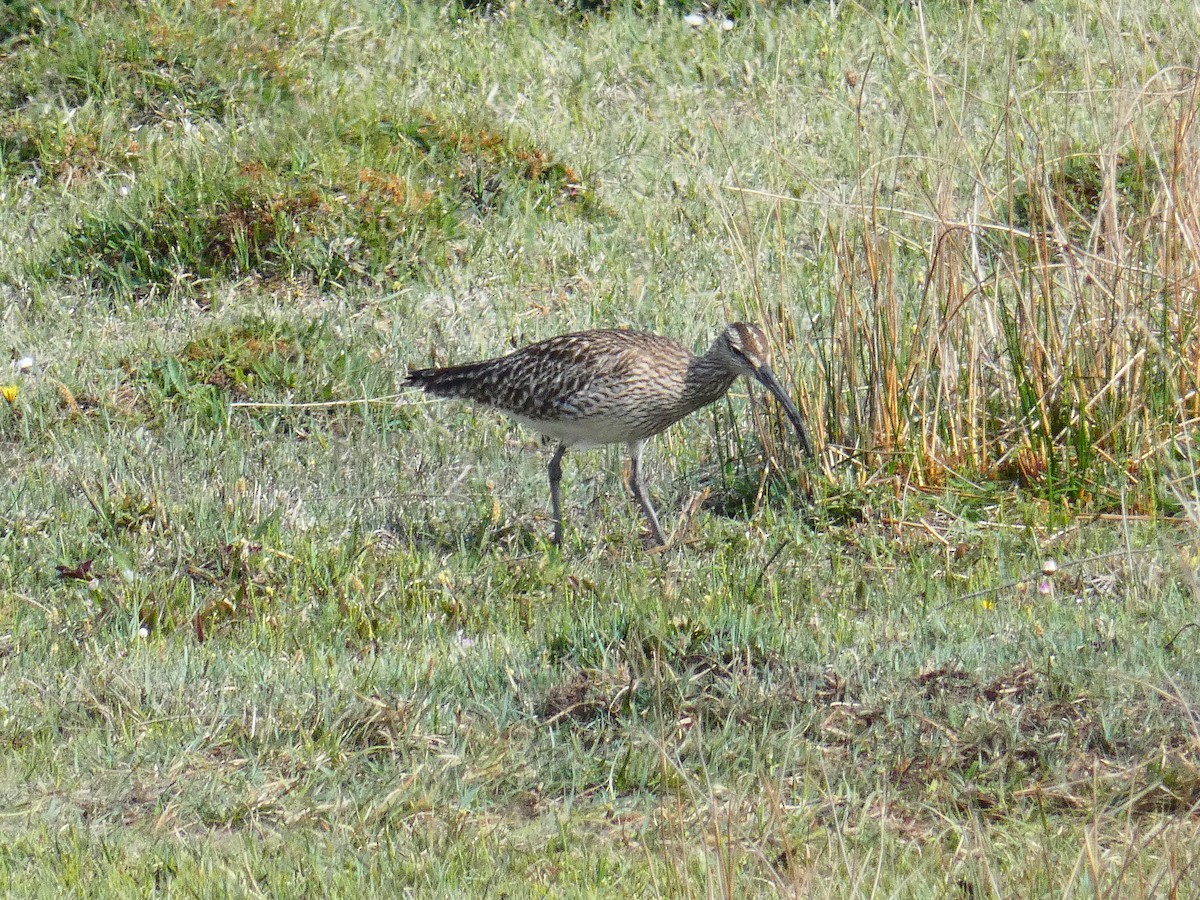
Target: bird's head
column 743, row 349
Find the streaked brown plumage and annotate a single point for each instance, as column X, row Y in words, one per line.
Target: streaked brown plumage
column 610, row 386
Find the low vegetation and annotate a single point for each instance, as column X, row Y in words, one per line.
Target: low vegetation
column 271, row 627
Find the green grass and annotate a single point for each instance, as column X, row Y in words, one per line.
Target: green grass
column 297, row 650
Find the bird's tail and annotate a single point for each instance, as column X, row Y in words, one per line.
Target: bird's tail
column 462, row 382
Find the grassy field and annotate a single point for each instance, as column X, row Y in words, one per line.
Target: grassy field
column 255, row 648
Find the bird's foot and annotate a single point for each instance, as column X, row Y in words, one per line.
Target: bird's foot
column 656, row 541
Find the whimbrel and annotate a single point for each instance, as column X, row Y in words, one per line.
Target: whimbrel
column 607, row 387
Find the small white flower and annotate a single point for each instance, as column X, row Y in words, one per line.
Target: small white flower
column 25, row 363
column 727, row 24
column 696, row 20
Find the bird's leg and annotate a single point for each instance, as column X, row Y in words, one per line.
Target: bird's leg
column 556, row 490
column 637, row 484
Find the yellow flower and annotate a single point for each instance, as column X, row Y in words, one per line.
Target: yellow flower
column 9, row 392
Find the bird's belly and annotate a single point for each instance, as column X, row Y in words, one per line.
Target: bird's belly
column 594, row 430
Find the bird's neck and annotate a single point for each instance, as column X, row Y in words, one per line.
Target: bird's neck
column 707, row 380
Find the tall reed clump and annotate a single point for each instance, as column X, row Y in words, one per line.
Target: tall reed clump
column 1037, row 321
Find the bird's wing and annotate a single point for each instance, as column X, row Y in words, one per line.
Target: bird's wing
column 571, row 374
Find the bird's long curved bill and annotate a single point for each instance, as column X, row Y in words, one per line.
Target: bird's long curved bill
column 767, row 379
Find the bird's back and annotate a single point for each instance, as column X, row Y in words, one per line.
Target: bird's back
column 591, row 387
